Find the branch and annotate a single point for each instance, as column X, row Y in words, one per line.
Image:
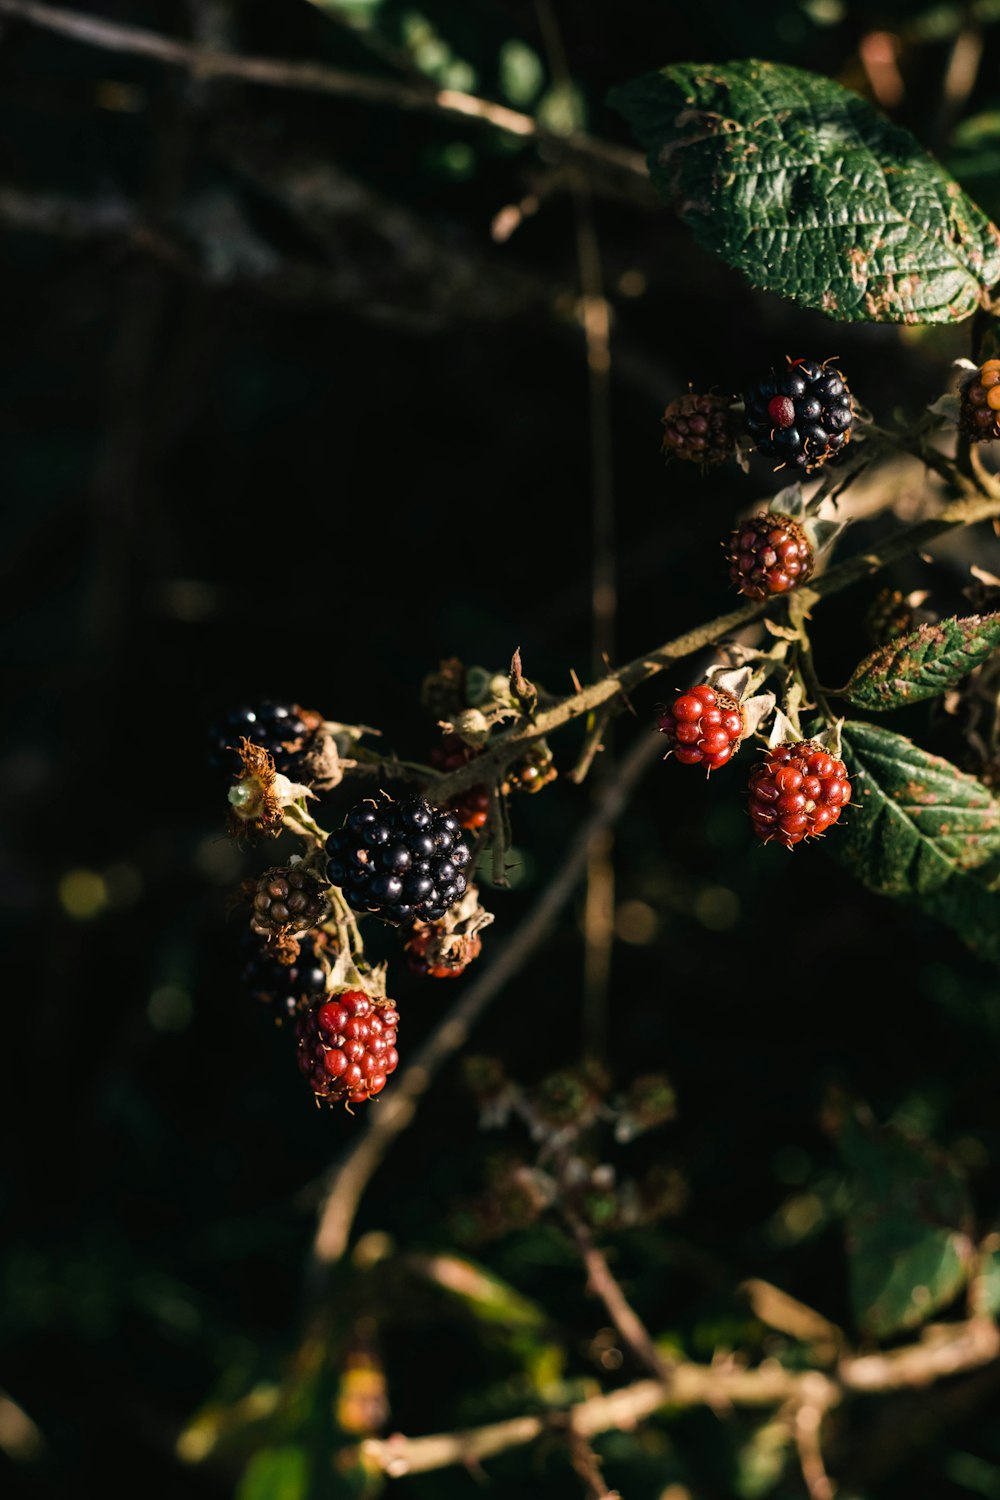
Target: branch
column 349, row 1178
column 317, row 78
column 949, row 1350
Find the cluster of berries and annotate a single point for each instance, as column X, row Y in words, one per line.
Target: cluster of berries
column 802, row 416
column 796, row 792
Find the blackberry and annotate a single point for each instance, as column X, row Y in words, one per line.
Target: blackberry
column 346, row 1046
column 704, row 727
column 797, row 792
column 399, row 860
column 700, row 429
column 281, row 728
column 287, row 986
column 801, row 415
column 769, row 554
column 979, row 413
column 286, row 899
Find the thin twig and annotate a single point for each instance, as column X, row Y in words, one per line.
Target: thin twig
column 961, row 1347
column 203, row 62
column 350, row 1176
column 808, row 1424
column 605, row 1285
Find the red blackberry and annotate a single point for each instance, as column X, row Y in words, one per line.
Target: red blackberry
column 699, row 428
column 286, row 986
column 769, row 554
column 704, row 727
column 346, row 1046
column 801, row 415
column 979, row 413
column 797, row 793
column 282, row 728
column 471, row 808
column 399, row 860
column 286, row 899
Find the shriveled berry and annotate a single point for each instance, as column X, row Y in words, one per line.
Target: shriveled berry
column 801, row 415
column 769, row 554
column 346, row 1046
column 704, row 727
column 434, row 953
column 700, row 429
column 797, row 792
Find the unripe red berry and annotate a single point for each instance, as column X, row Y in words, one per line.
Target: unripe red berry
column 769, row 554
column 797, row 792
column 346, row 1046
column 703, row 726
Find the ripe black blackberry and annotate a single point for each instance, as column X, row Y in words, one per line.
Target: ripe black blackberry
column 801, row 415
column 288, row 987
column 280, row 727
column 399, row 860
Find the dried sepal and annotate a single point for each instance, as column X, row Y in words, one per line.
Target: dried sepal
column 255, row 796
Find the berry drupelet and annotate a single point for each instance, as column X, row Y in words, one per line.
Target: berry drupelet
column 979, row 412
column 399, row 860
column 279, row 727
column 769, row 554
column 801, row 415
column 347, row 1046
column 699, row 429
column 704, row 727
column 797, row 793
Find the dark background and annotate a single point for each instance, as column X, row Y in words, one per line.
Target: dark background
column 280, row 419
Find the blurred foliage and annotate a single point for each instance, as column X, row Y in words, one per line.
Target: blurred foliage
column 282, row 417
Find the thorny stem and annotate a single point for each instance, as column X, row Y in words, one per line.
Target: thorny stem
column 974, row 505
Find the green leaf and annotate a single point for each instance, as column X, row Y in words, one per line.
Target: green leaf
column 917, row 821
column 908, row 1223
column 812, row 193
column 922, row 664
column 275, row 1474
column 922, row 831
column 988, row 1273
